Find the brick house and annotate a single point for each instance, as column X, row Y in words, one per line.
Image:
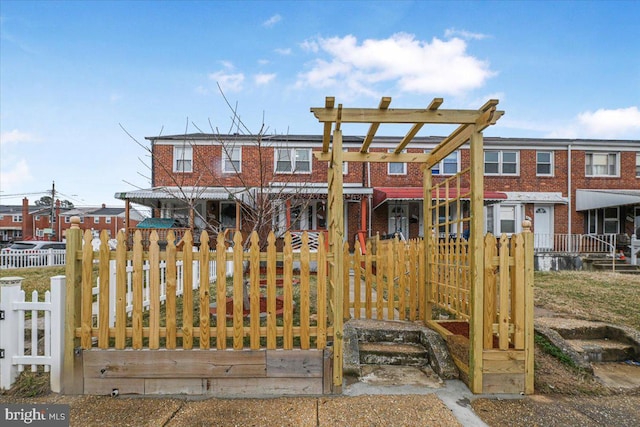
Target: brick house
column 566, row 187
column 29, row 222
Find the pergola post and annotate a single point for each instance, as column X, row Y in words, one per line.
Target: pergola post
column 476, row 244
column 427, row 307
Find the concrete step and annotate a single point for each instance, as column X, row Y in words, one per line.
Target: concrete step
column 602, row 350
column 393, row 353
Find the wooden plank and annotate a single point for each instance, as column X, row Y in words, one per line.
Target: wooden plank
column 175, row 386
column 321, row 302
column 427, row 250
column 369, row 115
column 137, row 278
column 376, row 157
column 174, row 363
column 288, row 292
column 373, row 128
column 187, row 292
column 87, row 290
column 337, row 237
column 154, row 291
column 401, row 269
column 295, row 363
column 205, row 299
column 503, row 367
column 413, row 278
column 171, row 278
column 271, row 291
column 346, row 256
column 221, row 293
column 327, row 373
column 71, row 378
column 490, row 251
column 503, row 355
column 105, row 386
column 504, row 288
column 254, row 294
column 357, row 280
column 391, row 274
column 304, row 292
column 103, row 305
column 326, row 134
column 238, row 293
column 368, row 274
column 381, row 259
column 121, row 289
column 518, row 291
column 503, row 383
column 252, row 387
column 528, row 308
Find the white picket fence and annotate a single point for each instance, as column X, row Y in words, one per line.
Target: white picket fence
column 32, row 258
column 20, row 345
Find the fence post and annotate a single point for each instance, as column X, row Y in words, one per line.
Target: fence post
column 72, row 378
column 9, row 290
column 58, row 284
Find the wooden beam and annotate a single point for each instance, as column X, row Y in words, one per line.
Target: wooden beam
column 399, row 116
column 450, row 144
column 376, row 157
column 326, row 137
column 435, row 104
column 384, row 105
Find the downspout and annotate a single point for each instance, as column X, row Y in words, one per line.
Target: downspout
column 370, row 202
column 569, row 194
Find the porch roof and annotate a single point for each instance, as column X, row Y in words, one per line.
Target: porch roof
column 151, row 196
column 384, row 194
column 597, row 199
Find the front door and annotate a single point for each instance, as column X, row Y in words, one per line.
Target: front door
column 543, row 226
column 399, row 220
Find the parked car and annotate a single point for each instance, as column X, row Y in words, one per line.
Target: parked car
column 29, row 253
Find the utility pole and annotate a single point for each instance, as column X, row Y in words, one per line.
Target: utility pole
column 53, row 209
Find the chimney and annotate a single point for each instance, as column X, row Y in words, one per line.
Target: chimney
column 104, row 206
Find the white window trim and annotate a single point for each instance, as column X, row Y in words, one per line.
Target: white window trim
column 176, row 150
column 292, row 159
column 551, row 163
column 404, row 165
column 607, row 153
column 16, row 218
column 501, row 162
column 107, row 220
column 606, row 219
column 96, row 220
column 637, row 165
column 441, row 163
column 227, row 159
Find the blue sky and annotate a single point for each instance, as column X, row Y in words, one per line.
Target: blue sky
column 73, row 73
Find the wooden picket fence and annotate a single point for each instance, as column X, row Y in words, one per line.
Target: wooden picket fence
column 186, row 321
column 383, row 281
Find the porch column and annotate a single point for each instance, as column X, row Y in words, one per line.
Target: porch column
column 127, row 207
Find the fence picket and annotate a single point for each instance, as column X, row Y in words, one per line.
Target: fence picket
column 490, row 251
column 187, row 292
column 121, row 290
column 518, row 291
column 368, row 281
column 170, row 312
column 254, row 298
column 288, row 292
column 87, row 291
column 271, row 291
column 504, row 287
column 238, row 293
column 205, row 341
column 154, row 291
column 321, row 303
column 221, row 295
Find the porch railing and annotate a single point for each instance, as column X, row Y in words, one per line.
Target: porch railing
column 575, row 243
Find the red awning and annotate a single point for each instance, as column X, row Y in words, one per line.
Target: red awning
column 384, row 194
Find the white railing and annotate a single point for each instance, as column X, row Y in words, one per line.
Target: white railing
column 296, row 239
column 145, row 285
column 32, row 258
column 635, row 249
column 575, row 243
column 20, row 345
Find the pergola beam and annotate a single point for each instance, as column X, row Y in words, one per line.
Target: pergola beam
column 397, row 116
column 384, row 105
column 326, row 135
column 435, row 104
column 376, row 157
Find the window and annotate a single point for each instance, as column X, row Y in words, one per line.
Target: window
column 448, row 166
column 501, row 162
column 611, row 220
column 183, row 159
column 544, row 163
column 293, row 160
column 67, row 219
column 232, row 159
column 81, row 220
column 96, row 220
column 107, row 220
column 601, row 164
column 345, row 165
column 592, row 222
column 507, row 219
column 638, row 165
column 16, row 218
column 395, row 168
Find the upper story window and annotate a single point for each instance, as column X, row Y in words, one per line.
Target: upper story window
column 16, row 218
column 395, row 168
column 638, row 165
column 293, row 160
column 107, row 220
column 96, row 220
column 501, row 162
column 232, row 159
column 183, row 158
column 544, row 163
column 601, row 164
column 37, row 217
column 67, row 219
column 450, row 165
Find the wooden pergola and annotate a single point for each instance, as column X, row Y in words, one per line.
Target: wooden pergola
column 470, row 123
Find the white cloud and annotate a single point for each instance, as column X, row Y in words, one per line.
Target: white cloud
column 18, row 174
column 229, row 82
column 467, row 35
column 16, row 136
column 310, row 46
column 282, row 51
column 620, row 123
column 263, row 79
column 272, row 21
column 439, row 67
column 263, row 61
column 227, row 65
